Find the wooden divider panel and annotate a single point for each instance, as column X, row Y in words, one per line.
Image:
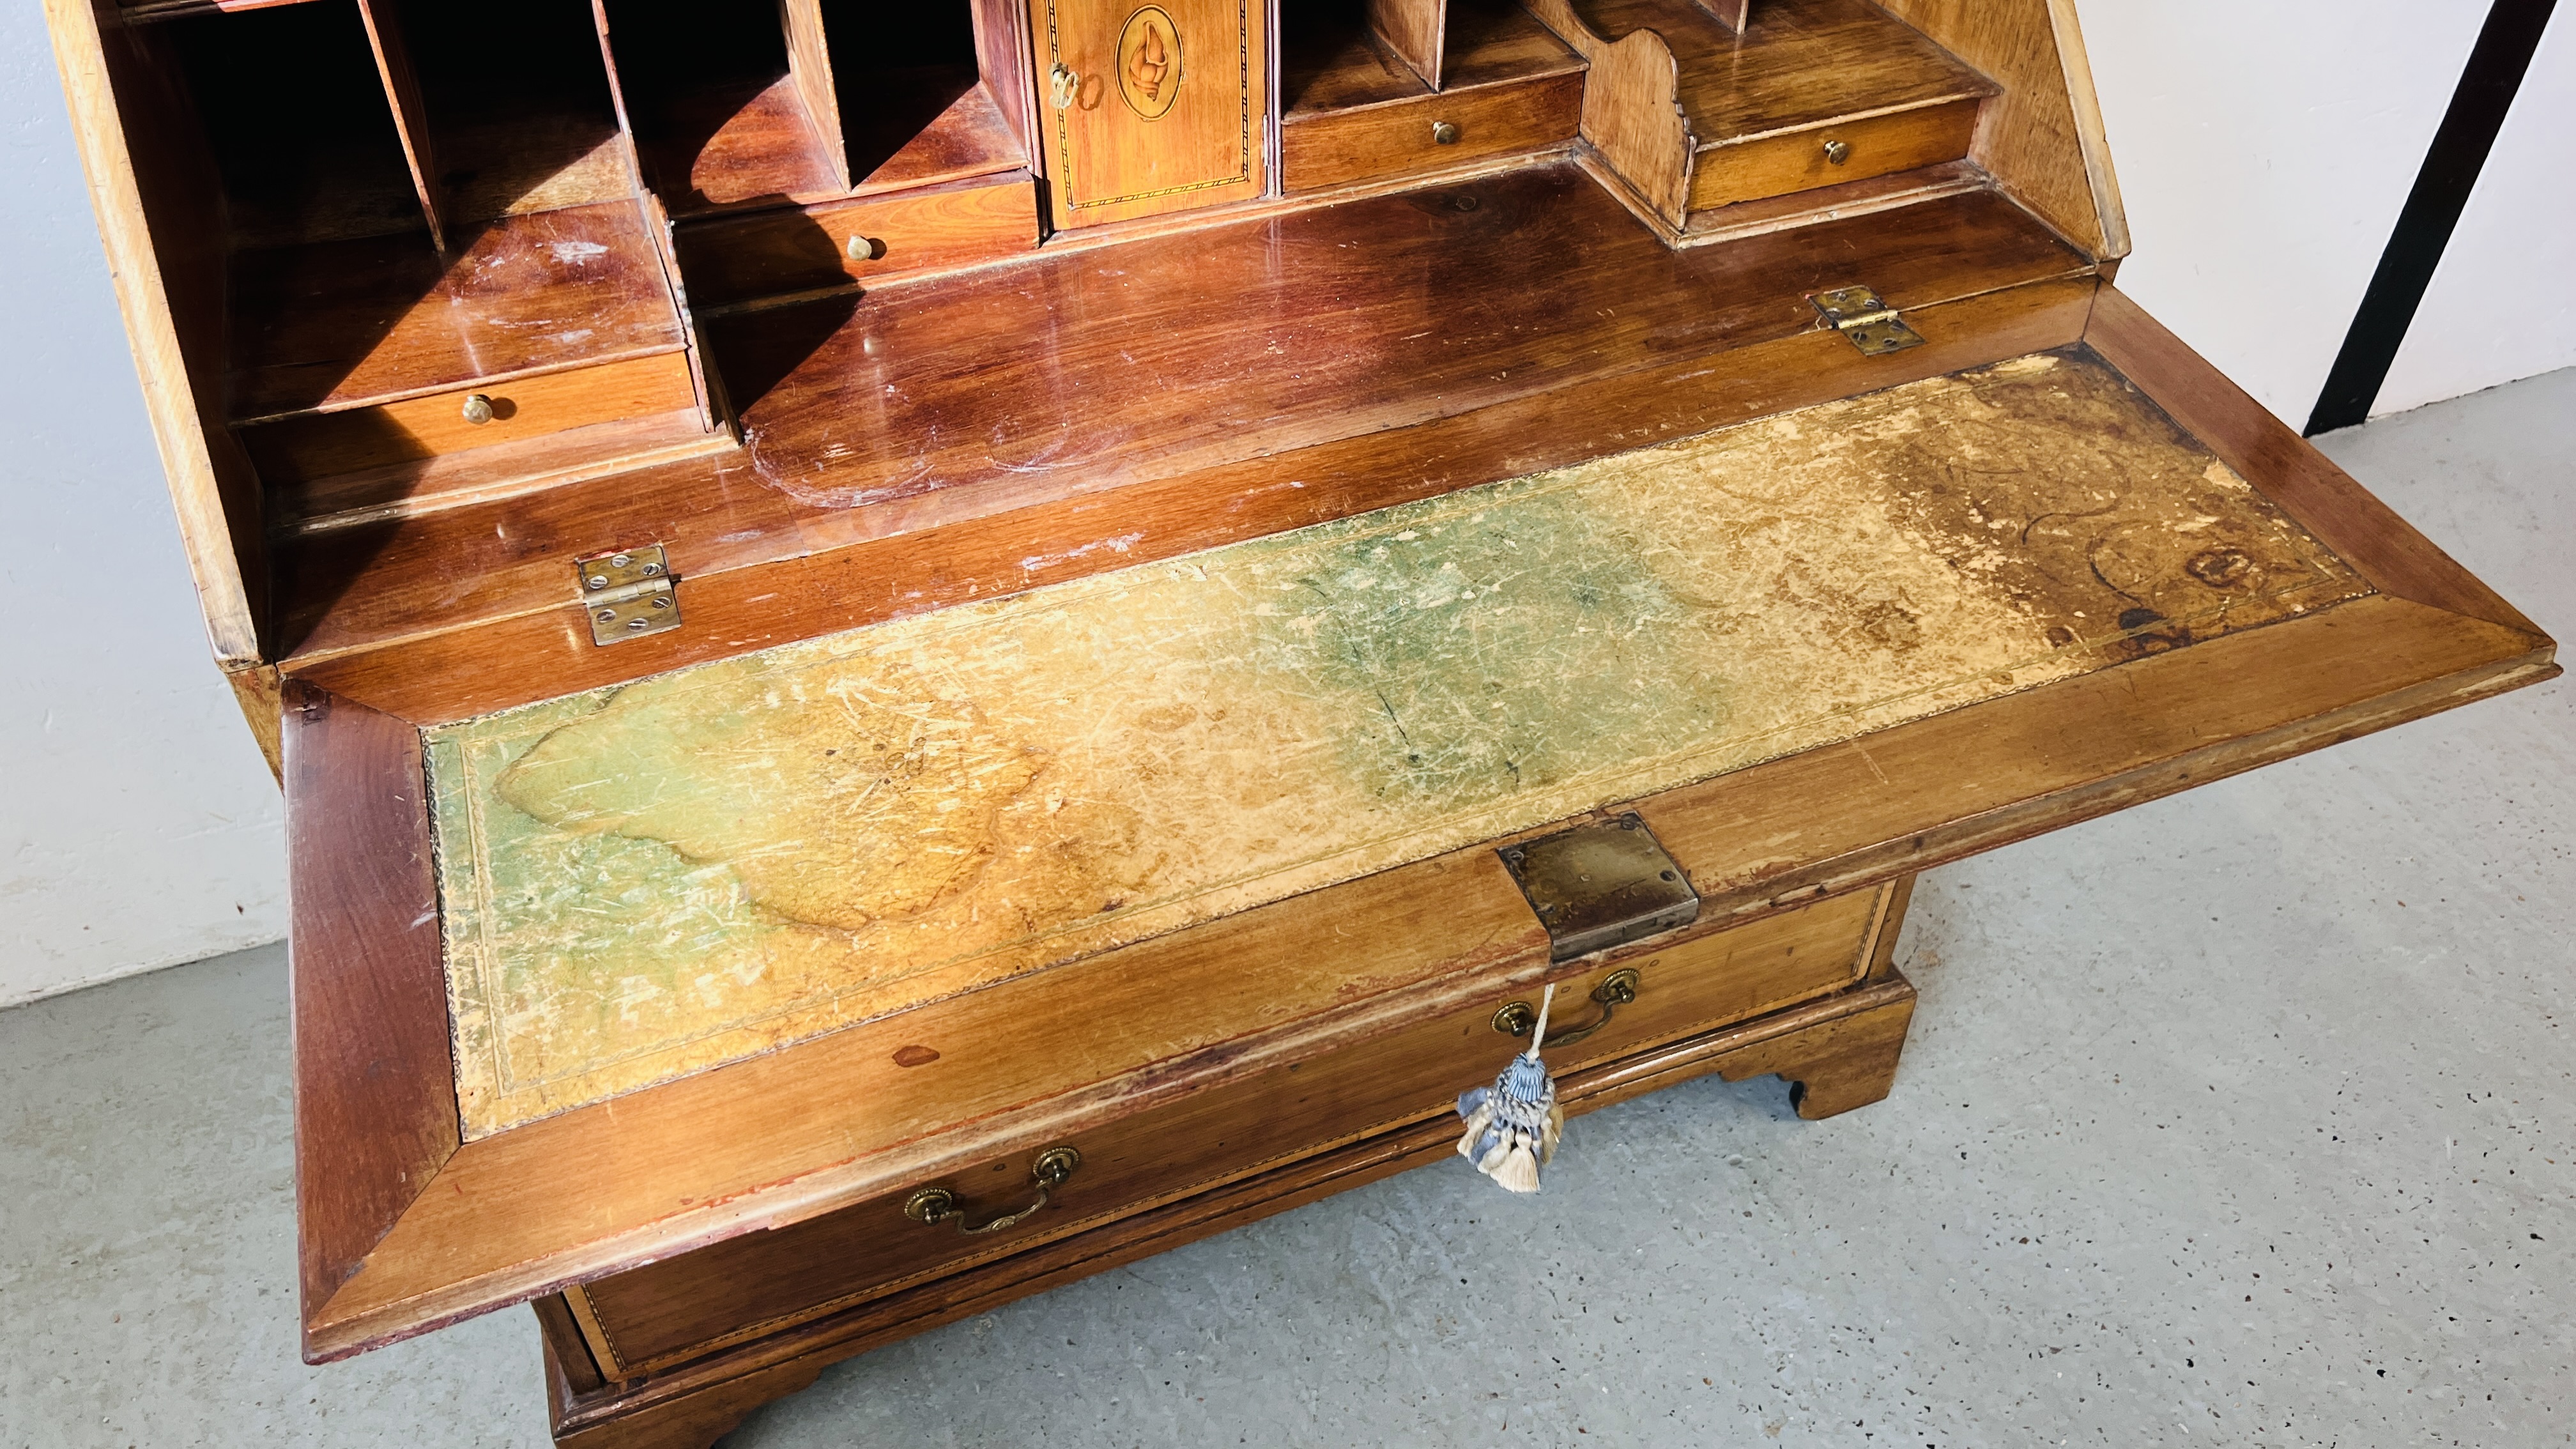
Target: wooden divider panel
column 1416, row 30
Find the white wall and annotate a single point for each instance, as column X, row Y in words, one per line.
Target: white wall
column 2265, row 147
column 2501, row 306
column 138, row 825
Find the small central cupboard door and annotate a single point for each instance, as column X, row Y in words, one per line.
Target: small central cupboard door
column 1151, row 108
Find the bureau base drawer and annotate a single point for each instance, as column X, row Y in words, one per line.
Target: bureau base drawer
column 754, row 1285
column 1838, row 1052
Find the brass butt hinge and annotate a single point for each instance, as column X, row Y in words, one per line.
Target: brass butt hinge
column 1871, row 324
column 628, row 594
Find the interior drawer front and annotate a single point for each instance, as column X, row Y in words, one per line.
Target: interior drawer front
column 324, row 445
column 1801, row 160
column 734, row 258
column 754, row 1284
column 1396, row 138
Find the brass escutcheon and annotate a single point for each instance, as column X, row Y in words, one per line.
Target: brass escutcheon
column 935, row 1205
column 1616, row 990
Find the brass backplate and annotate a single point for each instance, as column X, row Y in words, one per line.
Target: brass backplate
column 1601, row 885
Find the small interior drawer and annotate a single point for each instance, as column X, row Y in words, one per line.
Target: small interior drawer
column 322, row 445
column 736, row 258
column 1395, row 138
column 752, row 1285
column 1803, row 160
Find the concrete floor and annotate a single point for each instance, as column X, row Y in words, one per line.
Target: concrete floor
column 2244, row 1118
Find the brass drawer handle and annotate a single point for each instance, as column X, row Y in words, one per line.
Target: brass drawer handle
column 936, row 1205
column 1064, row 85
column 1444, row 133
column 1615, row 991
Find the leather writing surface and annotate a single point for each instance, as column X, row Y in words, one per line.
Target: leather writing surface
column 647, row 881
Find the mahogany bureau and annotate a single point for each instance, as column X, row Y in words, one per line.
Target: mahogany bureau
column 918, row 650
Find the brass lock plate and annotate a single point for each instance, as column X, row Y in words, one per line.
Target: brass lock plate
column 1601, row 885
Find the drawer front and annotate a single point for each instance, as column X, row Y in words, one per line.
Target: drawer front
column 735, row 258
column 1800, row 160
column 325, row 445
column 1396, row 138
column 761, row 1282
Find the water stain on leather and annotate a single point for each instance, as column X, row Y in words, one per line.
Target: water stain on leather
column 643, row 882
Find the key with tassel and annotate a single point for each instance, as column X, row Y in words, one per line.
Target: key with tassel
column 1513, row 1125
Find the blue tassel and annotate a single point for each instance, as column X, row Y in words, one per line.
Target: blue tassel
column 1513, row 1125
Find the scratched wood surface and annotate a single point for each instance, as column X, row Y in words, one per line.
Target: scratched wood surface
column 647, row 881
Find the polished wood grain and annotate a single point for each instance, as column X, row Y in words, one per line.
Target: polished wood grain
column 528, row 125
column 1140, row 136
column 1485, row 302
column 449, row 675
column 1823, row 203
column 1997, row 773
column 2369, row 535
column 1441, row 934
column 1336, row 148
column 1002, row 50
column 1329, row 61
column 312, row 446
column 1799, row 63
column 260, row 692
column 969, row 136
column 495, row 471
column 376, row 320
column 1776, row 165
column 734, row 259
column 809, row 69
column 1632, row 110
column 568, row 1355
column 721, row 143
column 1889, row 930
column 375, row 1104
column 152, row 186
column 776, row 1139
column 756, row 1284
column 2041, row 138
column 1413, row 31
column 1837, row 1054
column 1692, row 115
column 411, row 115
